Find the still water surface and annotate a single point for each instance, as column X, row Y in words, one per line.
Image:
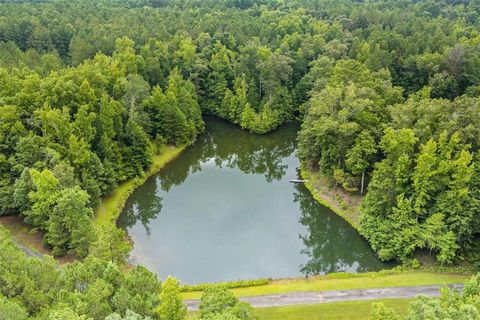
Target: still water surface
column 225, row 210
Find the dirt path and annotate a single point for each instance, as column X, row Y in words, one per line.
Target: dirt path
column 29, row 252
column 314, row 297
column 30, row 242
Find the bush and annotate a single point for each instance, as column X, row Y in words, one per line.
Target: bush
column 228, row 285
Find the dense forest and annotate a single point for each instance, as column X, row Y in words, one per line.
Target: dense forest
column 388, row 92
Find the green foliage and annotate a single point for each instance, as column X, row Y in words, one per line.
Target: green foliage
column 63, row 312
column 11, row 310
column 380, row 312
column 343, row 124
column 259, row 122
column 70, row 226
column 43, row 198
column 171, row 303
column 129, row 315
column 450, row 305
column 85, row 87
column 78, row 132
column 472, row 287
column 139, row 293
column 96, row 289
column 137, row 148
column 171, row 123
column 419, row 196
column 219, row 303
column 111, row 244
column 88, row 289
column 419, row 172
column 63, row 213
column 229, row 285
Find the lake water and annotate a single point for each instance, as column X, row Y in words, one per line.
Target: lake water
column 225, row 210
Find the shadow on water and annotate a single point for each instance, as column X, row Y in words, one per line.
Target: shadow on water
column 224, row 210
column 342, row 250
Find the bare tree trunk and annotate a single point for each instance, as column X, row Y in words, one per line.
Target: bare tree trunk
column 363, row 180
column 260, row 86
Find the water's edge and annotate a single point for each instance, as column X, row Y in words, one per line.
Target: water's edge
column 112, row 206
column 144, row 243
column 324, row 202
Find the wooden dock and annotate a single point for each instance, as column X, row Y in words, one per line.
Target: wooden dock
column 297, row 181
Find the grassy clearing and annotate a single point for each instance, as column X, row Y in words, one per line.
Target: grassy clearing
column 346, row 282
column 345, row 204
column 357, row 310
column 111, row 207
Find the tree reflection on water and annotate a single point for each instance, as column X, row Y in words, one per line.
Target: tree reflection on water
column 330, row 244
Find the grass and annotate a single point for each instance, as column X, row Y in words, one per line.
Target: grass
column 345, row 204
column 346, row 282
column 357, row 310
column 112, row 205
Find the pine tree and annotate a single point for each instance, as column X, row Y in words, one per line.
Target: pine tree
column 171, row 302
column 249, row 117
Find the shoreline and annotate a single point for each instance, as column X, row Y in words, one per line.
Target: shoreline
column 107, row 212
column 352, row 217
column 334, row 198
column 112, row 205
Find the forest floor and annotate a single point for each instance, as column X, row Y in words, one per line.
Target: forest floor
column 112, row 205
column 332, row 296
column 345, row 204
column 344, row 282
column 30, row 242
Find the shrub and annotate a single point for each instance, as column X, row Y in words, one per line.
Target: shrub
column 228, row 284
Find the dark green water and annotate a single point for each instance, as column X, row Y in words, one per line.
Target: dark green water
column 225, row 210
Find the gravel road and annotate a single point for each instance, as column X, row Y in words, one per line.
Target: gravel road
column 314, row 297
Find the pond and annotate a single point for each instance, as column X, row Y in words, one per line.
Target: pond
column 225, row 210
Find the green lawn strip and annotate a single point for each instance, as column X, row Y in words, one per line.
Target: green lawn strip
column 360, row 281
column 356, row 310
column 111, row 207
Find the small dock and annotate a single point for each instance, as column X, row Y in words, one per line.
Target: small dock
column 297, row 181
